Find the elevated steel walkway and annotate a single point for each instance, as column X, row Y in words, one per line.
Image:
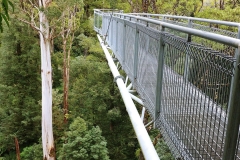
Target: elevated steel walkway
column 186, row 72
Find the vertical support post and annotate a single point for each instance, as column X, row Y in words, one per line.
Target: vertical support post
column 124, row 42
column 98, row 21
column 126, row 81
column 108, row 30
column 111, row 31
column 163, row 18
column 159, row 77
column 100, row 25
column 186, row 66
column 116, row 44
column 234, row 111
column 136, row 54
column 143, row 113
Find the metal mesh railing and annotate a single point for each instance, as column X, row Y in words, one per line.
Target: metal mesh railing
column 129, row 48
column 194, row 106
column 213, row 26
column 195, row 77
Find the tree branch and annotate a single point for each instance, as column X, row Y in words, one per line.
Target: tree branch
column 30, row 23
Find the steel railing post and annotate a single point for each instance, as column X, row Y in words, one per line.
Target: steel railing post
column 94, row 18
column 234, row 110
column 116, row 44
column 136, row 54
column 124, row 41
column 98, row 21
column 186, row 66
column 159, row 76
column 101, row 29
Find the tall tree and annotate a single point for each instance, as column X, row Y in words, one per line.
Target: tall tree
column 34, row 10
column 70, row 22
column 46, row 74
column 49, row 15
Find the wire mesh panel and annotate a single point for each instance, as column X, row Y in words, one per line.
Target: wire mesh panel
column 177, row 22
column 208, row 44
column 106, row 28
column 111, row 33
column 215, row 29
column 205, row 26
column 114, row 30
column 98, row 22
column 194, row 108
column 147, row 69
column 129, row 51
column 120, row 41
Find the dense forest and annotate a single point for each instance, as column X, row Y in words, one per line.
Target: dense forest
column 89, row 118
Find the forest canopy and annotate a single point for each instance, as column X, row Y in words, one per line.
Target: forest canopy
column 89, row 118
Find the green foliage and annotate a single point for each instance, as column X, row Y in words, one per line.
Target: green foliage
column 64, row 16
column 58, row 126
column 20, row 87
column 163, row 151
column 179, row 7
column 94, row 97
column 114, row 113
column 57, row 62
column 86, row 27
column 33, row 152
column 4, row 15
column 82, row 143
column 161, row 147
column 88, row 45
column 87, row 93
column 228, row 14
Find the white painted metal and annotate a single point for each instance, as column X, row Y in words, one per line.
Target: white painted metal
column 136, row 99
column 129, row 86
column 117, row 64
column 132, row 91
column 143, row 113
column 144, row 140
column 149, row 124
column 126, row 81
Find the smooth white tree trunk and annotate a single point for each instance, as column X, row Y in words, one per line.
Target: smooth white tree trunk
column 46, row 75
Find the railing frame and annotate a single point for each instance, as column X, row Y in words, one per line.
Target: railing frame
column 232, row 132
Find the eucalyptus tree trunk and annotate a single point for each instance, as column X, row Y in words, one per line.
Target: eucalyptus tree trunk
column 66, row 68
column 17, row 148
column 46, row 75
column 65, row 77
column 68, row 28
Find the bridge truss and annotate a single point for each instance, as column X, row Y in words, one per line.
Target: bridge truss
column 186, row 71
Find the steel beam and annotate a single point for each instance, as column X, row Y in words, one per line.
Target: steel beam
column 143, row 113
column 159, row 77
column 227, row 23
column 136, row 99
column 232, row 133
